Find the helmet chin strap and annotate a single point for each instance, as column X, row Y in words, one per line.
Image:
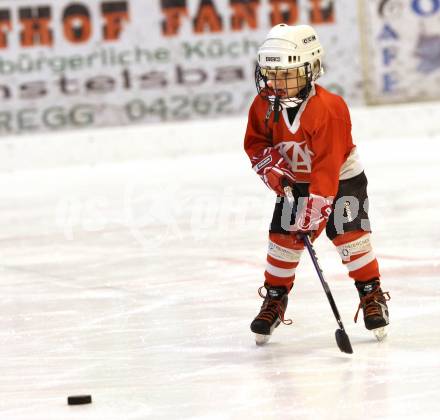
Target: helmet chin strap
column 278, row 105
column 276, row 109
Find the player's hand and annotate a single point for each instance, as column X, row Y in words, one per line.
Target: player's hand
column 312, row 212
column 272, row 169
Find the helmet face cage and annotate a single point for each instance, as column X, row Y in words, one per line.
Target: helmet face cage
column 282, row 80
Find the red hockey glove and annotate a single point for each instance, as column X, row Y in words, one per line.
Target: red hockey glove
column 312, row 211
column 272, row 169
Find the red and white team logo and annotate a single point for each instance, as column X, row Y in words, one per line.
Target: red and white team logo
column 297, row 155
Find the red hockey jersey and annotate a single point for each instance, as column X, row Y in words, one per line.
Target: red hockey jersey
column 318, row 145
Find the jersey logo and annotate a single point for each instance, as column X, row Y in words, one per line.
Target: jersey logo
column 297, row 155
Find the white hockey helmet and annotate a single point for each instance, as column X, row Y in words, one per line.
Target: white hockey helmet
column 289, row 47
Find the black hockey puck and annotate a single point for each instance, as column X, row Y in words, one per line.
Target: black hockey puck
column 79, row 399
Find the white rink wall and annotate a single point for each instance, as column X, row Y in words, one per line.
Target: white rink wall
column 144, row 142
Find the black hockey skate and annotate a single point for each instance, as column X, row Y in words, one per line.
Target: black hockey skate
column 374, row 306
column 271, row 313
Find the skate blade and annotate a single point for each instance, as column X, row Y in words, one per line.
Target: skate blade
column 261, row 339
column 380, row 333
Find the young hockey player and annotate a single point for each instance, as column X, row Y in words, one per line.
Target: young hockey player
column 301, row 133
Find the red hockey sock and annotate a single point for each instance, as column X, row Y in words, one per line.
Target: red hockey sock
column 357, row 255
column 283, row 257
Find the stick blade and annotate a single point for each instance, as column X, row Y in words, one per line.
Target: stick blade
column 343, row 341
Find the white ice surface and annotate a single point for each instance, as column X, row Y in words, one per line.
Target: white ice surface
column 136, row 283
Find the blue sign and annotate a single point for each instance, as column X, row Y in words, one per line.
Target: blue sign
column 426, row 7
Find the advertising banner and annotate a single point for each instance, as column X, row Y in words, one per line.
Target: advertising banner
column 74, row 64
column 402, row 55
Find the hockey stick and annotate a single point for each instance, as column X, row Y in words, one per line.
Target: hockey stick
column 342, row 339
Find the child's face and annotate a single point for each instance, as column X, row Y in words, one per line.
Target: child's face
column 285, row 82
